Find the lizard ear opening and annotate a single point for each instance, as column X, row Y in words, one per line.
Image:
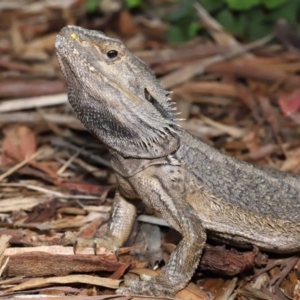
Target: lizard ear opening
column 156, row 104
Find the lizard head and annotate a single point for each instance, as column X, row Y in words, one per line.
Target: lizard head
column 116, row 95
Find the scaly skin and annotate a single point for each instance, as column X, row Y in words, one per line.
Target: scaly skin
column 198, row 190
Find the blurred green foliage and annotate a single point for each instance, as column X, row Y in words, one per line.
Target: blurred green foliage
column 251, row 19
column 91, row 5
column 133, row 3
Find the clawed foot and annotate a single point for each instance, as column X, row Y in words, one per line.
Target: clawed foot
column 104, row 242
column 158, row 286
column 147, row 285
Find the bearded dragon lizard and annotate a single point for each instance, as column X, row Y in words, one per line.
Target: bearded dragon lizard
column 198, row 190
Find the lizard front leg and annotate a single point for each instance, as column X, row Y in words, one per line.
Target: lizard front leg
column 121, row 221
column 163, row 188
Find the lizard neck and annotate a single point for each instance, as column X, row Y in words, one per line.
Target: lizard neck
column 127, row 167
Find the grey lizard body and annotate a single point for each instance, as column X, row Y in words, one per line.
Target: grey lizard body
column 198, row 190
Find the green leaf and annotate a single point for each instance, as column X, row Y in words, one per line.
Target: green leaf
column 181, row 11
column 193, row 29
column 271, row 4
column 175, row 35
column 235, row 25
column 242, row 4
column 132, row 3
column 288, row 11
column 255, row 15
column 211, row 5
column 91, row 5
column 258, row 30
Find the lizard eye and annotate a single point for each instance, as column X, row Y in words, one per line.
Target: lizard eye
column 112, row 53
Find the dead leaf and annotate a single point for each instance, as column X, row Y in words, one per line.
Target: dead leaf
column 4, row 239
column 39, row 282
column 126, row 24
column 289, row 103
column 233, row 131
column 192, row 292
column 19, row 144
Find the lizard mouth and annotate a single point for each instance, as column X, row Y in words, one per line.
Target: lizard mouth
column 155, row 103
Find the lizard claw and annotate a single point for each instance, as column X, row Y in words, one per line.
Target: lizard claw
column 117, row 254
column 95, row 247
column 75, row 246
column 105, row 243
column 108, row 243
column 67, row 238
